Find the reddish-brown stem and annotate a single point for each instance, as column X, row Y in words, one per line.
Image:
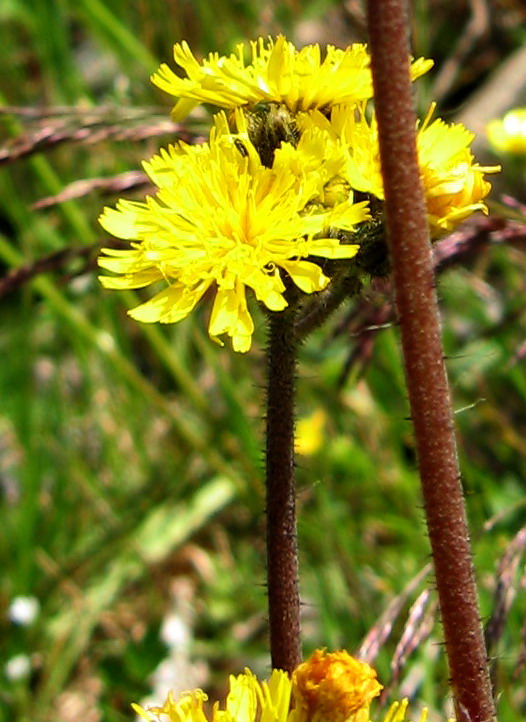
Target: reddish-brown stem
column 282, row 551
column 427, row 382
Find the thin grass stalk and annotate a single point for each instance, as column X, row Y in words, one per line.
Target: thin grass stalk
column 427, row 382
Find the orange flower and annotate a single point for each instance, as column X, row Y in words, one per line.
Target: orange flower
column 333, row 686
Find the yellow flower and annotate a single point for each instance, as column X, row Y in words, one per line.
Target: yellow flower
column 277, row 73
column 508, row 135
column 327, row 687
column 248, row 701
column 333, row 686
column 222, row 220
column 454, row 184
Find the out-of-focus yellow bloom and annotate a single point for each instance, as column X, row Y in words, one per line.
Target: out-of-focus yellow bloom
column 328, row 687
column 508, row 135
column 333, row 686
column 309, row 433
column 277, row 73
column 222, row 220
column 454, row 184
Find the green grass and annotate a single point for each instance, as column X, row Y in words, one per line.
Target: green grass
column 130, row 455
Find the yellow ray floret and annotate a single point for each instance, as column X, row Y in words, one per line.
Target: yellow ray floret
column 279, row 73
column 221, row 220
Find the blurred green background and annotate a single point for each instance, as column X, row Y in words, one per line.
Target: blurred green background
column 131, row 496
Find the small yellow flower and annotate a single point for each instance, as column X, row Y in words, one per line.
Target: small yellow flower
column 334, row 686
column 508, row 135
column 247, row 701
column 277, row 73
column 222, row 220
column 454, row 184
column 189, row 708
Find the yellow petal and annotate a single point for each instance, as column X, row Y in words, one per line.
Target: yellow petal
column 307, row 276
column 230, row 315
column 169, row 306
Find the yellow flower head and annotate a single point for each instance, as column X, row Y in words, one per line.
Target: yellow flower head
column 508, row 135
column 248, row 701
column 222, row 220
column 454, row 184
column 277, row 73
column 334, row 686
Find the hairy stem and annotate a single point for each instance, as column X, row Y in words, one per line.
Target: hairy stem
column 323, row 304
column 282, row 551
column 427, row 382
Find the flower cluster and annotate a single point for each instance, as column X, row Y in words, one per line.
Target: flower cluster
column 284, row 186
column 328, row 687
column 223, row 218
